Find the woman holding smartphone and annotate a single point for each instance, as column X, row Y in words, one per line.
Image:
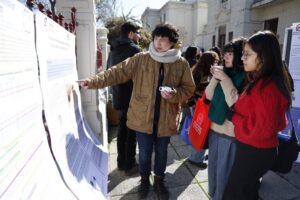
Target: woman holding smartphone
column 223, row 91
column 258, row 115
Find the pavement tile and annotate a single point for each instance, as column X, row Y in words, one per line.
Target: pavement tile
column 274, row 187
column 178, row 175
column 188, row 192
column 120, row 184
column 113, row 147
column 290, row 177
column 172, row 156
column 132, row 196
column 177, row 141
column 112, row 162
column 199, row 174
column 204, row 186
column 182, row 151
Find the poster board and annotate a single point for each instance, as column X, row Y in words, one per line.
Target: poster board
column 24, row 149
column 291, row 55
column 78, row 152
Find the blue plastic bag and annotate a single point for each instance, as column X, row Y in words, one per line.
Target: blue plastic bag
column 185, row 129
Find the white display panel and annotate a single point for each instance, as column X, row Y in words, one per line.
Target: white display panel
column 82, row 161
column 24, row 150
column 294, row 61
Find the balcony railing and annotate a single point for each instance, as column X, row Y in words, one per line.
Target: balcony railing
column 257, row 3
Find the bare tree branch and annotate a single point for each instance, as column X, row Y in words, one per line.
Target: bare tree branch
column 106, row 9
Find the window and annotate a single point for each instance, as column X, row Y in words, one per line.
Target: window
column 222, row 36
column 230, row 36
column 163, row 18
column 271, row 25
column 213, row 40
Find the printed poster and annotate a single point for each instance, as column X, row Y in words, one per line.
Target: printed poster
column 24, row 150
column 78, row 152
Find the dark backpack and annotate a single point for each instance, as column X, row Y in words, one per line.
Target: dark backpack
column 288, row 151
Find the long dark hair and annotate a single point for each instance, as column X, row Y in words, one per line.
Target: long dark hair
column 266, row 45
column 202, row 68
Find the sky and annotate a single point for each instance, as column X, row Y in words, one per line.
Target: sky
column 139, row 6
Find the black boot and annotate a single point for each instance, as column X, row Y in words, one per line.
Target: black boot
column 144, row 187
column 160, row 189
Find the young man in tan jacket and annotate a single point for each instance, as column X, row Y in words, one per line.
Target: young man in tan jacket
column 152, row 110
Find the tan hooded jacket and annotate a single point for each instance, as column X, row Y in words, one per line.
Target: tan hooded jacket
column 144, row 72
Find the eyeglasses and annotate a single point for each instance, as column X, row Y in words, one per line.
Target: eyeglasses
column 247, row 55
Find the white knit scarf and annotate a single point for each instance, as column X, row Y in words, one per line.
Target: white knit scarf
column 169, row 56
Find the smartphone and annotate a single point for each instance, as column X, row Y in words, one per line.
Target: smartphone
column 166, row 89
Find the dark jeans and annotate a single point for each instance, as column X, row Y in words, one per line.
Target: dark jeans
column 126, row 143
column 249, row 166
column 146, row 143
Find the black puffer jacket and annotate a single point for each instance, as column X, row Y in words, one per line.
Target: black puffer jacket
column 121, row 49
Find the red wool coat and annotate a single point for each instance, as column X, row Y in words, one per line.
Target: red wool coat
column 259, row 115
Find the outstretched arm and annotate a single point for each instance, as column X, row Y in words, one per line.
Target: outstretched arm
column 84, row 83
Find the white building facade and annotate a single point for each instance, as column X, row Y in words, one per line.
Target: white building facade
column 217, row 22
column 228, row 19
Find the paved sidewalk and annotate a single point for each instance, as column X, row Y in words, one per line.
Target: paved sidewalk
column 187, row 182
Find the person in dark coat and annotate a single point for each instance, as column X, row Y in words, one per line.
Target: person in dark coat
column 121, row 49
column 190, row 55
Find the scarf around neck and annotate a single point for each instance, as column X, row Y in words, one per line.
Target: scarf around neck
column 169, row 56
column 219, row 109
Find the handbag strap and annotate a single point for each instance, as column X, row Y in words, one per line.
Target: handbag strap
column 293, row 134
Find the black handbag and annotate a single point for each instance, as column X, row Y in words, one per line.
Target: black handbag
column 288, row 151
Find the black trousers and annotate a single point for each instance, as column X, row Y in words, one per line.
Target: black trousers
column 126, row 143
column 249, row 166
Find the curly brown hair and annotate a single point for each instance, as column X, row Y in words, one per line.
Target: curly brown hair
column 166, row 30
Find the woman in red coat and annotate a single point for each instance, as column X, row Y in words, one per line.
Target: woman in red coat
column 258, row 115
